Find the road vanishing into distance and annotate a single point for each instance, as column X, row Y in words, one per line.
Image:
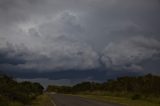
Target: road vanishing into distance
column 67, row 100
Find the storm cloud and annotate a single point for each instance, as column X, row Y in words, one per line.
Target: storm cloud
column 130, row 52
column 58, row 35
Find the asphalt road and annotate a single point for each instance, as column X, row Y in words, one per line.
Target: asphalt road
column 66, row 100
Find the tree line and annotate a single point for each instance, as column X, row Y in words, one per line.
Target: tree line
column 141, row 85
column 21, row 92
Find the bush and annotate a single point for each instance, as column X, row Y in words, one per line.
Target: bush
column 136, row 97
column 3, row 101
column 18, row 93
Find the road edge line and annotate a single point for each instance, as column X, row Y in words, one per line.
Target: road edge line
column 53, row 102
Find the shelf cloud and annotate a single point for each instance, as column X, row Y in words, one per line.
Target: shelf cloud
column 61, row 35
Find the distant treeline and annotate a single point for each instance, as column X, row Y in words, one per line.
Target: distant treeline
column 142, row 85
column 22, row 93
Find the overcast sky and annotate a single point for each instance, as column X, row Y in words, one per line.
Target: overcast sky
column 47, row 36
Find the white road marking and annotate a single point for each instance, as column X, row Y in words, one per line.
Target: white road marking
column 53, row 103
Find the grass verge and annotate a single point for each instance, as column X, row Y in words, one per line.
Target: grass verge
column 119, row 100
column 42, row 100
column 16, row 104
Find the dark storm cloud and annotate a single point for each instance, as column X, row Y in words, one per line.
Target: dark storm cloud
column 95, row 74
column 131, row 52
column 4, row 59
column 65, row 56
column 11, row 55
column 51, row 35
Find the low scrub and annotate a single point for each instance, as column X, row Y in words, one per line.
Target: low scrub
column 14, row 93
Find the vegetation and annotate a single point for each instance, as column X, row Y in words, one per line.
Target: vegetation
column 42, row 100
column 131, row 91
column 59, row 89
column 13, row 93
column 121, row 100
column 132, row 88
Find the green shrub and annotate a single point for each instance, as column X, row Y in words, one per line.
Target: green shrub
column 3, row 101
column 17, row 93
column 136, row 97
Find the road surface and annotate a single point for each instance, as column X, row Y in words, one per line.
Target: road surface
column 66, row 100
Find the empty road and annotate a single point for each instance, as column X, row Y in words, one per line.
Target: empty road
column 66, row 100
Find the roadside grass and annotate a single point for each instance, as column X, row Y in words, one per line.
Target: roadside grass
column 120, row 100
column 5, row 102
column 16, row 104
column 42, row 100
